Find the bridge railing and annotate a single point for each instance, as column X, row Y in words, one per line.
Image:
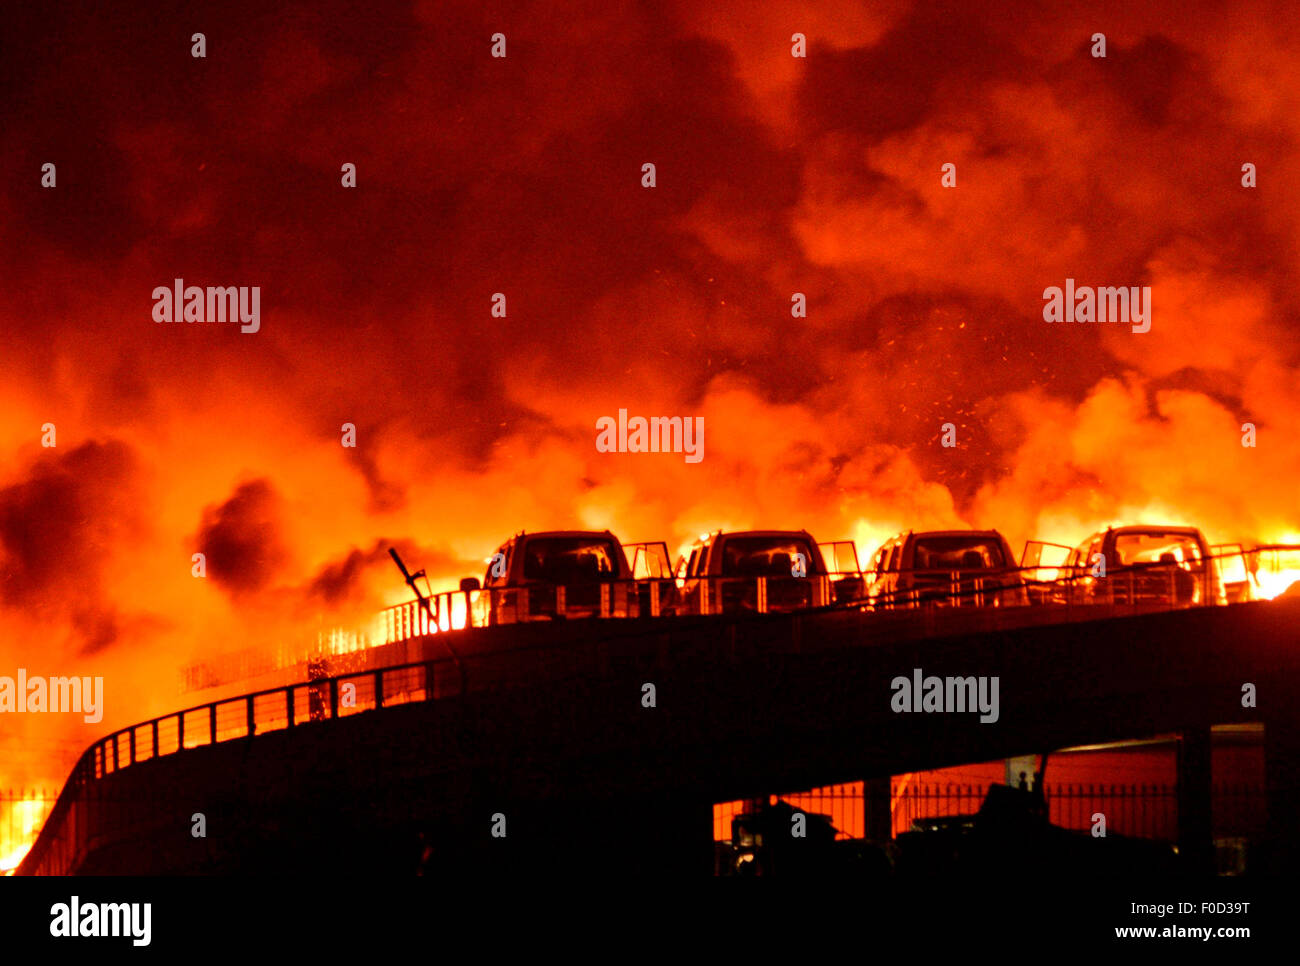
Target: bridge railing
column 1157, row 586
column 1199, row 583
column 65, row 834
column 662, row 596
column 614, row 599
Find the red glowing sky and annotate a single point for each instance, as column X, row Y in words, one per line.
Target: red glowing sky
column 523, row 175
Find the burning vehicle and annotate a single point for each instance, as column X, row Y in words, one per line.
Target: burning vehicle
column 555, row 574
column 1157, row 565
column 764, row 571
column 957, row 568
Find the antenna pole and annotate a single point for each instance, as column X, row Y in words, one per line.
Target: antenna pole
column 424, row 602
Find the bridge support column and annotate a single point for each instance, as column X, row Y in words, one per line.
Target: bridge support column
column 1282, row 780
column 878, row 821
column 1195, row 832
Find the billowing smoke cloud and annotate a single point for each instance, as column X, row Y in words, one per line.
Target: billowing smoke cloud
column 522, row 175
column 241, row 541
column 59, row 527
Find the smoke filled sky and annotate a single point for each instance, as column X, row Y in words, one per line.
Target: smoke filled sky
column 523, row 175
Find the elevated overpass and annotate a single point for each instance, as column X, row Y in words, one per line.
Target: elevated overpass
column 546, row 726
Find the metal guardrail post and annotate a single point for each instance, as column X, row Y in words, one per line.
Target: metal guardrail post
column 180, row 731
column 131, row 745
column 155, row 737
column 212, row 723
column 288, row 705
column 334, row 697
column 252, row 722
column 379, row 689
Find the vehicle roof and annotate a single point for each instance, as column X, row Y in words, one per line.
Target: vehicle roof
column 953, row 533
column 565, row 533
column 1142, row 528
column 1155, row 528
column 711, row 538
column 760, row 533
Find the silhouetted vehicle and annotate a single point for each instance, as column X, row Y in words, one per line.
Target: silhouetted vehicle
column 1159, row 565
column 556, row 574
column 781, row 840
column 761, row 570
column 1011, row 834
column 950, row 568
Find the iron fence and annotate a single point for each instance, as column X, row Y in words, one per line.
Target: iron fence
column 1148, row 811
